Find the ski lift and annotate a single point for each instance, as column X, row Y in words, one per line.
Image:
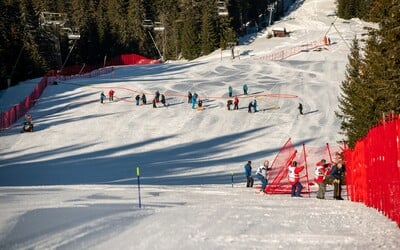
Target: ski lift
column 221, row 7
column 71, row 34
column 158, row 26
column 49, row 18
column 147, row 24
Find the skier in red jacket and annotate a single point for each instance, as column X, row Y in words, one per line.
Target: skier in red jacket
column 294, row 179
column 321, row 175
column 236, row 103
column 111, row 95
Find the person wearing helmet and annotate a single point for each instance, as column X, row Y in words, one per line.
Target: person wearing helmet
column 294, row 179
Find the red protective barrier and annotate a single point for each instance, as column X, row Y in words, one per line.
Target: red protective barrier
column 13, row 114
column 373, row 169
column 308, row 157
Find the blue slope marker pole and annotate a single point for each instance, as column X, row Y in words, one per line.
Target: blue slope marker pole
column 232, row 179
column 138, row 181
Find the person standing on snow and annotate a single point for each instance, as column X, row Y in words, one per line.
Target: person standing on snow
column 229, row 104
column 144, row 101
column 300, row 107
column 236, row 103
column 190, row 97
column 261, row 174
column 250, row 106
column 320, row 175
column 194, row 100
column 230, row 91
column 102, row 97
column 245, row 89
column 163, row 99
column 249, row 178
column 157, row 96
column 137, row 98
column 337, row 174
column 255, row 105
column 154, row 102
column 294, row 179
column 111, row 95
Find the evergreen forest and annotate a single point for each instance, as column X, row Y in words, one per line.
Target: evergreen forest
column 37, row 33
column 371, row 89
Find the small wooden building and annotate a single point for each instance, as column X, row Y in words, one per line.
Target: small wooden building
column 279, row 32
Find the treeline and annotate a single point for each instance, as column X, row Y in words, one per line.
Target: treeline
column 371, row 89
column 31, row 45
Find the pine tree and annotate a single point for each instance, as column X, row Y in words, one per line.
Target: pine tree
column 372, row 85
column 190, row 38
column 208, row 33
column 351, row 101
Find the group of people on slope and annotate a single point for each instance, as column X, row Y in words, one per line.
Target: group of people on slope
column 324, row 174
column 110, row 96
column 194, row 99
column 157, row 98
column 261, row 174
column 252, row 107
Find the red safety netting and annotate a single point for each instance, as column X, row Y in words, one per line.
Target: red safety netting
column 373, row 169
column 308, row 157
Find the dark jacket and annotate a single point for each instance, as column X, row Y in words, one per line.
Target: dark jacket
column 337, row 173
column 247, row 170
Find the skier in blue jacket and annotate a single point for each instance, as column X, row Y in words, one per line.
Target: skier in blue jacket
column 249, row 178
column 102, row 97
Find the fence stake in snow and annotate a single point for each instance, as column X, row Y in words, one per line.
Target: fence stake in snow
column 232, row 179
column 138, row 180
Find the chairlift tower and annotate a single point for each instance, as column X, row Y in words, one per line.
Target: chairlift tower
column 149, row 25
column 51, row 24
column 271, row 9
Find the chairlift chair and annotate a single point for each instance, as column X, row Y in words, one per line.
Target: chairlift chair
column 71, row 34
column 50, row 18
column 158, row 26
column 221, row 5
column 223, row 13
column 222, row 10
column 74, row 36
column 147, row 24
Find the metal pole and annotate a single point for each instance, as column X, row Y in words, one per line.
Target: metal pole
column 69, row 53
column 138, row 179
column 156, row 46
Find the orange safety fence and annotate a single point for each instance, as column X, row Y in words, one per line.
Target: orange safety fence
column 373, row 169
column 9, row 117
column 288, row 52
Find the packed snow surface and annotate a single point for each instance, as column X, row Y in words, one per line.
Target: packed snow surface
column 73, row 184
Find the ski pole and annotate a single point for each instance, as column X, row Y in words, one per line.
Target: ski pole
column 232, row 179
column 138, row 180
